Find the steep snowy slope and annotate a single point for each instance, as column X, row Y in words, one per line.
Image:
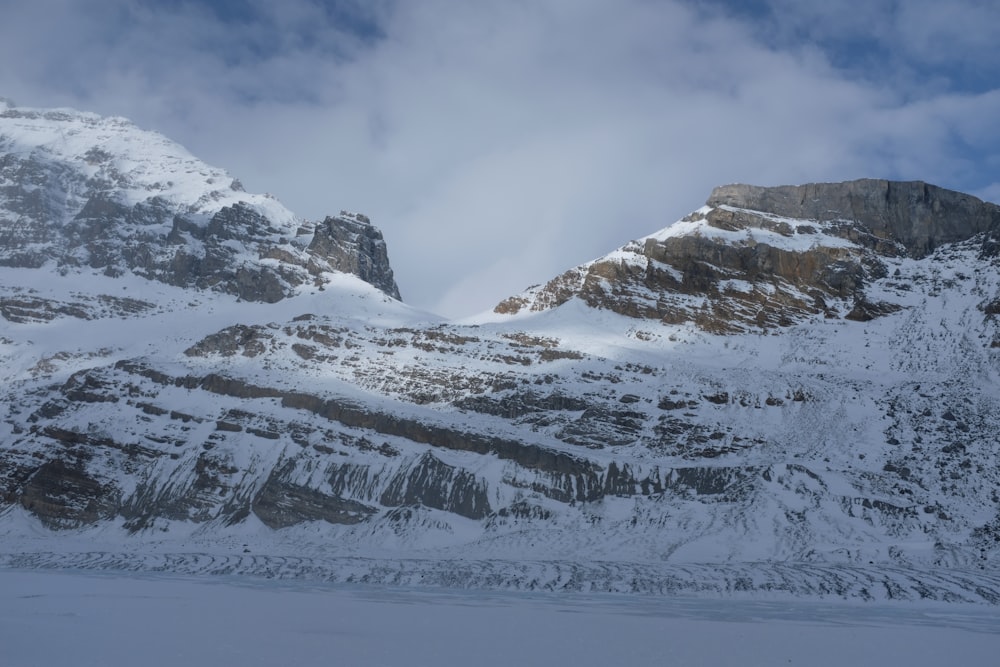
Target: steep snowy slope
column 789, row 390
column 84, row 192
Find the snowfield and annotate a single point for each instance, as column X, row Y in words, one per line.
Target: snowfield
column 91, row 620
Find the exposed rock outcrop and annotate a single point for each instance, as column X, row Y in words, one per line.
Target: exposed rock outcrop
column 280, row 504
column 125, row 212
column 63, row 495
column 917, row 215
column 765, row 257
column 349, row 243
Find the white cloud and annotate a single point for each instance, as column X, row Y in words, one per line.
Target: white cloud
column 499, row 143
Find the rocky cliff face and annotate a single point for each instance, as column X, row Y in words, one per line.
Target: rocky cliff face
column 758, row 258
column 804, row 375
column 917, row 216
column 350, row 244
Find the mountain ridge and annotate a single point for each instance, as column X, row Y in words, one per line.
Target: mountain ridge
column 918, row 215
column 793, row 402
column 764, row 257
column 90, row 192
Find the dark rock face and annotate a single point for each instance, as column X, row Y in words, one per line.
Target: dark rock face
column 72, row 490
column 520, row 404
column 436, row 484
column 237, row 339
column 919, row 216
column 63, row 495
column 207, row 258
column 281, row 504
column 349, row 243
column 26, row 232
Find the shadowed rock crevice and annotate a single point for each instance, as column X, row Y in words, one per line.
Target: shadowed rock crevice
column 63, row 495
column 280, row 504
column 436, row 484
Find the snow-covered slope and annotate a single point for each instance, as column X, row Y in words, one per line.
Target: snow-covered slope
column 85, row 192
column 745, row 401
column 96, row 152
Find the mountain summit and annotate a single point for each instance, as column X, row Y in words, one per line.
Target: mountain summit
column 755, row 258
column 84, row 192
column 792, row 390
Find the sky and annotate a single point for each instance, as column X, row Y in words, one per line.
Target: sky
column 498, row 143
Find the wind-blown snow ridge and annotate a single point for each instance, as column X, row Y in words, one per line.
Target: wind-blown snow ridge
column 778, row 581
column 138, row 164
column 697, row 225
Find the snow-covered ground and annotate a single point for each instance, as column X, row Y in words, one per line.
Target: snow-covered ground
column 806, row 524
column 63, row 618
column 51, row 618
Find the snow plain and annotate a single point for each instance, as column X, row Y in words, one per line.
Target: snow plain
column 111, row 620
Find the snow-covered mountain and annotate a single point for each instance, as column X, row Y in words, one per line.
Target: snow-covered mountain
column 791, row 389
column 82, row 192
